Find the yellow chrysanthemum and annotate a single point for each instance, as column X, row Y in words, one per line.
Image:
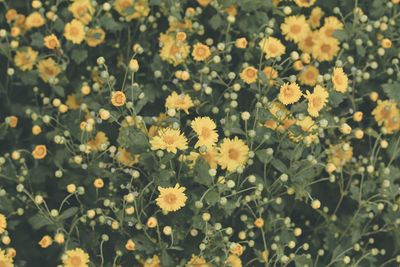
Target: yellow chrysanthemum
column 306, row 45
column 338, row 156
column 234, row 260
column 51, row 41
column 3, row 223
column 197, row 262
column 271, row 74
column 179, row 102
column 205, row 129
column 34, row 20
column 169, row 139
column 171, row 198
column 200, row 52
column 94, row 37
column 249, row 75
column 387, row 113
column 131, row 9
column 98, row 140
column 82, row 10
column 5, row 260
column 325, row 48
column 25, row 59
column 75, row 258
column 233, row 153
column 289, row 93
column 315, row 17
column 173, row 51
column 74, row 31
column 340, row 80
column 272, row 47
column 316, row 100
column 295, row 28
column 73, row 102
column 309, row 127
column 154, row 263
column 309, row 76
column 126, row 157
column 48, row 69
column 305, row 3
column 331, row 24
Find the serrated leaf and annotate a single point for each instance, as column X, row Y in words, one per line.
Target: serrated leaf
column 335, row 99
column 37, row 40
column 109, row 24
column 38, row 221
column 279, row 165
column 216, row 21
column 392, row 90
column 201, row 172
column 59, row 90
column 68, row 213
column 79, row 55
column 263, row 156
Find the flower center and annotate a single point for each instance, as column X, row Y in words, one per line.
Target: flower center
column 310, row 75
column 338, row 79
column 200, row 51
column 169, row 139
column 316, row 102
column 329, row 32
column 251, row 73
column 74, row 31
column 233, row 154
column 205, row 132
column 170, row 198
column 325, row 48
column 81, row 11
column 2, row 264
column 76, row 261
column 295, row 29
column 309, row 41
column 273, row 48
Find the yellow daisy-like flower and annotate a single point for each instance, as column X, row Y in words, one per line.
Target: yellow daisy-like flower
column 48, row 69
column 325, row 48
column 340, row 80
column 309, row 76
column 3, row 223
column 316, row 100
column 131, row 9
column 205, row 129
column 315, row 17
column 197, row 261
column 73, row 102
column 39, row 152
column 295, row 28
column 179, row 102
column 126, row 157
column 331, row 24
column 305, row 3
column 289, row 93
column 306, row 45
column 234, row 260
column 118, row 98
column 98, row 140
column 82, row 10
column 25, row 59
column 5, row 260
column 51, row 41
column 384, row 110
column 249, row 75
column 271, row 74
column 94, row 37
column 233, row 153
column 171, row 198
column 169, row 139
column 171, row 48
column 154, row 263
column 74, row 31
column 200, row 52
column 34, row 20
column 75, row 258
column 338, row 156
column 272, row 47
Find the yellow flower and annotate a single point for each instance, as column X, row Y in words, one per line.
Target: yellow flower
column 289, row 93
column 309, row 127
column 203, row 3
column 154, row 263
column 5, row 260
column 3, row 223
column 98, row 140
column 169, row 139
column 126, row 157
column 197, row 262
column 48, row 69
column 249, row 75
column 74, row 31
column 179, row 102
column 200, row 52
column 241, row 43
column 13, row 121
column 118, row 98
column 331, row 24
column 306, row 45
column 338, row 156
column 171, row 198
column 259, row 222
column 315, row 17
column 34, row 20
column 309, row 76
column 152, row 222
column 238, row 250
column 205, row 129
column 234, row 260
column 75, row 258
column 173, row 51
column 340, row 80
column 39, row 152
column 316, row 100
column 295, row 28
column 387, row 113
column 210, row 156
column 46, row 241
column 386, row 43
column 271, row 74
column 272, row 47
column 51, row 41
column 130, row 245
column 325, row 48
column 72, row 102
column 132, row 9
column 233, row 153
column 305, row 3
column 82, row 10
column 25, row 59
column 94, row 37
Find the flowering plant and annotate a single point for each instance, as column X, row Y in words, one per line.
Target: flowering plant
column 199, row 133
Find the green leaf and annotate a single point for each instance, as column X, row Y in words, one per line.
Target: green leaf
column 392, row 90
column 335, row 98
column 68, row 213
column 341, row 35
column 279, row 165
column 215, row 21
column 79, row 55
column 166, row 260
column 29, row 77
column 3, row 130
column 263, row 156
column 212, row 198
column 37, row 40
column 132, row 139
column 39, row 220
column 109, row 24
column 201, row 172
column 59, row 90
